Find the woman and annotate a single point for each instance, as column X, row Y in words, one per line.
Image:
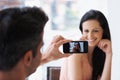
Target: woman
column 96, row 64
column 76, row 48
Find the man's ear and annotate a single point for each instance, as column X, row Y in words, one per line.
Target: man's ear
column 28, row 58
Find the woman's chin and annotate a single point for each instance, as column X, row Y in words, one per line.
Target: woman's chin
column 92, row 45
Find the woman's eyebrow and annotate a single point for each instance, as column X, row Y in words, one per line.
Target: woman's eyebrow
column 97, row 28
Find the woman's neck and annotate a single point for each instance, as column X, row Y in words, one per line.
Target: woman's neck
column 91, row 49
column 90, row 54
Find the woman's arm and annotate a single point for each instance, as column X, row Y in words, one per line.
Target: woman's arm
column 106, row 74
column 75, row 67
column 105, row 45
column 64, row 69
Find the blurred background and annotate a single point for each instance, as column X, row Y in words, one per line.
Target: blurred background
column 64, row 17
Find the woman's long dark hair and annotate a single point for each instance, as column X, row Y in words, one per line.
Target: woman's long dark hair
column 98, row 58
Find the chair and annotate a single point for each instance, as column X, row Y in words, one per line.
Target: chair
column 53, row 73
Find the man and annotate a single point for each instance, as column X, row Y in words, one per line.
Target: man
column 21, row 38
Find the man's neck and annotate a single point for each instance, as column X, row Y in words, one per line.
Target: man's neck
column 11, row 76
column 17, row 73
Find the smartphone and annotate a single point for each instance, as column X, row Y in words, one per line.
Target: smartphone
column 75, row 47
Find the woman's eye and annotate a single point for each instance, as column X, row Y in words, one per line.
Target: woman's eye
column 95, row 30
column 86, row 31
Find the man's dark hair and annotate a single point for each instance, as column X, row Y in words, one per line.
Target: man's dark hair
column 20, row 31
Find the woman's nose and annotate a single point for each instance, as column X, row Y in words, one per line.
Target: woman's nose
column 90, row 34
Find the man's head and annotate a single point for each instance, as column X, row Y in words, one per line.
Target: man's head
column 21, row 32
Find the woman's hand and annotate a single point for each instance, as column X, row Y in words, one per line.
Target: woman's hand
column 105, row 45
column 53, row 51
column 83, row 38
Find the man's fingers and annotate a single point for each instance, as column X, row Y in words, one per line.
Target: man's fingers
column 59, row 43
column 57, row 38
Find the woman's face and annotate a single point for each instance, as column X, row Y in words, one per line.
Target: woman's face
column 92, row 31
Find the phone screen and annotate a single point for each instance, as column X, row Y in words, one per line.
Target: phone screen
column 75, row 47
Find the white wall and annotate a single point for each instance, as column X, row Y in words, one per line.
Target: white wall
column 114, row 22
